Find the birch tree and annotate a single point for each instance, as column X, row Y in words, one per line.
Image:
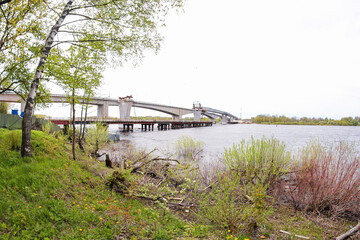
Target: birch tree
column 120, row 29
column 22, row 27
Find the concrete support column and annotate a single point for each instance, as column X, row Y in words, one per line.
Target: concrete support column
column 175, row 117
column 224, row 119
column 125, row 109
column 103, row 111
column 197, row 115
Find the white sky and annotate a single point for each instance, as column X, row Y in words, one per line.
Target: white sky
column 277, row 57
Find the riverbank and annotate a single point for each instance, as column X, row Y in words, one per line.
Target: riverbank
column 283, row 120
column 51, row 196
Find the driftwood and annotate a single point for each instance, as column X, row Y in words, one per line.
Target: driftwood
column 166, row 201
column 299, row 236
column 350, row 232
column 152, row 160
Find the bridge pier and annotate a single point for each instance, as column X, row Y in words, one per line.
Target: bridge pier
column 103, row 110
column 224, row 119
column 175, row 117
column 128, row 127
column 197, row 115
column 147, row 126
column 163, row 126
column 125, row 109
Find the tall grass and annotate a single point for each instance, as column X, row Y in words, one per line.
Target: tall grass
column 326, row 179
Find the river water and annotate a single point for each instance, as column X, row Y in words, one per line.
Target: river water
column 218, row 137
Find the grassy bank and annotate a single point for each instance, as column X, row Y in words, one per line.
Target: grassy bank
column 53, row 197
column 50, row 196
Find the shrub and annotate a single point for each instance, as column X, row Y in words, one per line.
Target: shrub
column 258, row 161
column 238, row 198
column 326, row 179
column 96, row 137
column 189, row 148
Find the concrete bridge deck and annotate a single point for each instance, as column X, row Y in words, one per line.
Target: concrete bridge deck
column 126, row 104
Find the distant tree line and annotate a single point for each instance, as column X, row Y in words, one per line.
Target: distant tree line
column 283, row 120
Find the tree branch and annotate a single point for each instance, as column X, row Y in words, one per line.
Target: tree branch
column 4, row 2
column 153, row 160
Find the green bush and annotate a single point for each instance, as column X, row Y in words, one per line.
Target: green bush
column 188, row 148
column 258, row 161
column 238, row 199
column 96, row 137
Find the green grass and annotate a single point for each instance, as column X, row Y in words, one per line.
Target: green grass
column 52, row 197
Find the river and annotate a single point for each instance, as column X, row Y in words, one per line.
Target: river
column 218, row 137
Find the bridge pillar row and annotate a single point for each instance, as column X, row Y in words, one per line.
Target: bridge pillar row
column 103, row 111
column 197, row 115
column 125, row 109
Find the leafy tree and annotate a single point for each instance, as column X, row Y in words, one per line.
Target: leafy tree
column 121, row 29
column 76, row 71
column 22, row 27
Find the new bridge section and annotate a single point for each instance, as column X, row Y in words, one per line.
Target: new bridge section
column 125, row 105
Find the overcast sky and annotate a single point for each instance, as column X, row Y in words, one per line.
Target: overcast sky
column 288, row 57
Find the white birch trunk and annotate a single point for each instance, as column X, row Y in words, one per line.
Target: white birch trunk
column 26, row 123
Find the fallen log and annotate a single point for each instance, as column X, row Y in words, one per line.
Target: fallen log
column 350, row 232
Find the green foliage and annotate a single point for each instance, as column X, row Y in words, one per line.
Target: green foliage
column 4, row 107
column 220, row 205
column 282, row 120
column 42, row 143
column 76, row 70
column 238, row 199
column 96, row 137
column 189, row 148
column 234, row 205
column 14, row 140
column 22, row 25
column 51, row 196
column 258, row 161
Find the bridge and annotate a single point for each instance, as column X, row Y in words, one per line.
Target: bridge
column 125, row 105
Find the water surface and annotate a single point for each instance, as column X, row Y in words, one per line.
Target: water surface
column 218, row 137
